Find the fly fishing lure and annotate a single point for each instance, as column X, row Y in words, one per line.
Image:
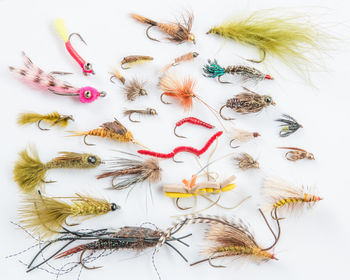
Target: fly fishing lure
column 241, row 135
column 246, row 161
column 53, row 119
column 147, row 111
column 285, row 196
column 247, row 102
column 177, row 32
column 134, row 89
column 186, row 57
column 289, row 125
column 62, row 31
column 297, row 154
column 193, row 188
column 284, row 34
column 112, row 130
column 29, row 172
column 233, row 239
column 38, row 77
column 117, row 75
column 191, row 120
column 126, row 172
column 127, row 238
column 132, row 60
column 213, row 70
column 182, row 91
column 45, row 216
column 182, row 149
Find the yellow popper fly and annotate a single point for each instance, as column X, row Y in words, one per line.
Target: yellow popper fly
column 46, row 215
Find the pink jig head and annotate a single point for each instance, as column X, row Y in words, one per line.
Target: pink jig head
column 62, row 31
column 36, row 76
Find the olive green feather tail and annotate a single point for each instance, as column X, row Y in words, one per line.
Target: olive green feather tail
column 44, row 216
column 29, row 171
column 289, row 36
column 28, row 118
column 53, row 118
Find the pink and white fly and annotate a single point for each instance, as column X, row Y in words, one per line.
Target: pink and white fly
column 36, row 76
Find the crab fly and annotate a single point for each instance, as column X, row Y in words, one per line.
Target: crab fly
column 128, row 237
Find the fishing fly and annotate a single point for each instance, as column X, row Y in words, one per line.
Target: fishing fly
column 132, row 60
column 54, row 119
column 193, row 121
column 240, row 135
column 213, row 70
column 62, row 31
column 147, row 111
column 178, row 32
column 134, row 88
column 182, row 149
column 186, row 57
column 117, row 75
column 289, row 125
column 287, row 35
column 126, row 172
column 192, row 188
column 247, row 102
column 297, row 154
column 112, row 130
column 282, row 195
column 48, row 81
column 182, row 92
column 45, row 216
column 233, row 239
column 246, row 161
column 100, row 240
column 29, row 172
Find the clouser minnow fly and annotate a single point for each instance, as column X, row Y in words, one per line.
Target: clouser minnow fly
column 48, row 81
column 213, row 70
column 62, row 31
column 99, row 240
column 29, row 172
column 178, row 32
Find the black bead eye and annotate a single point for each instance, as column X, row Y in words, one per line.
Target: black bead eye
column 87, row 66
column 268, row 99
column 114, row 206
column 87, row 94
column 92, row 159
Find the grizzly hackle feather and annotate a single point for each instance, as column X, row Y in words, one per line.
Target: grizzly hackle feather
column 126, row 172
column 45, row 216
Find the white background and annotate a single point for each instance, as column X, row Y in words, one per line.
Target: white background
column 313, row 245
